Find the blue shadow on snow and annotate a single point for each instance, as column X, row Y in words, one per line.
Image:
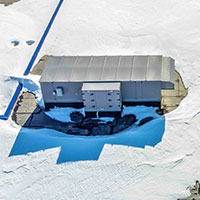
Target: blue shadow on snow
column 79, row 148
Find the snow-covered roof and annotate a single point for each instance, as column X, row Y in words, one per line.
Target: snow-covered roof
column 108, row 68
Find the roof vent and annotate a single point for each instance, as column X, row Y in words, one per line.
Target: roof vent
column 59, row 91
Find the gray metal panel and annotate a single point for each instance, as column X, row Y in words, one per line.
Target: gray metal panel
column 110, row 68
column 141, row 91
column 154, row 68
column 80, row 69
column 151, row 90
column 65, row 68
column 103, row 103
column 50, row 69
column 125, row 68
column 139, row 68
column 101, row 96
column 95, row 70
column 107, row 100
column 172, row 70
column 71, row 92
column 167, row 74
column 47, row 91
column 167, row 85
column 128, row 91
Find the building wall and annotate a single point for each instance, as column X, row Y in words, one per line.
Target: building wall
column 141, row 91
column 131, row 92
column 71, row 92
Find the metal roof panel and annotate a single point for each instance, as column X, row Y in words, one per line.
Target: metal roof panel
column 154, row 68
column 110, row 68
column 50, row 69
column 139, row 68
column 65, row 68
column 79, row 71
column 125, row 68
column 95, row 70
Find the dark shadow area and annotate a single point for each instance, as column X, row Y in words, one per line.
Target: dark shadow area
column 79, row 148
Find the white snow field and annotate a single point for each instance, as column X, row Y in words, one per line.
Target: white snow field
column 121, row 172
column 21, row 22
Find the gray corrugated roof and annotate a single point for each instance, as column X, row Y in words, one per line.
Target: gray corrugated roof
column 108, row 68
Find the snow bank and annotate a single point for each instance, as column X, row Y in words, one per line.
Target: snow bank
column 8, row 87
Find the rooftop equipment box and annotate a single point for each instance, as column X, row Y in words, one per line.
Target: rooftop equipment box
column 137, row 79
column 101, row 97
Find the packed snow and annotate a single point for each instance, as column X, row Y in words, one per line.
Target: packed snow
column 29, row 159
column 8, row 87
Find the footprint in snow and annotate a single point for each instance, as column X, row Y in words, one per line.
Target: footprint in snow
column 30, row 42
column 14, row 43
